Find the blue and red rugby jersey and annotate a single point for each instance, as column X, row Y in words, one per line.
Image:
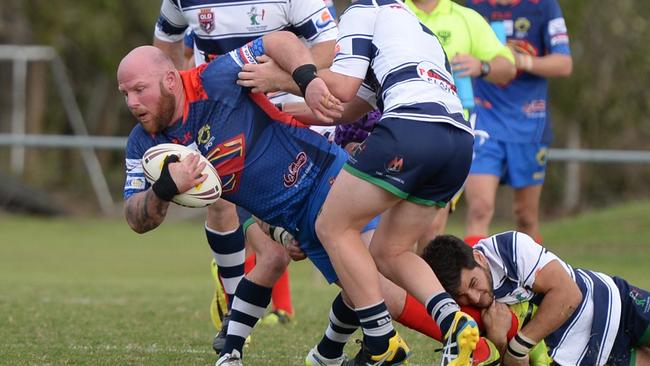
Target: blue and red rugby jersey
column 518, row 112
column 269, row 163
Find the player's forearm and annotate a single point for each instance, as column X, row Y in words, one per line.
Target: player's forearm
column 556, row 308
column 173, row 50
column 144, row 211
column 501, row 70
column 286, row 50
column 549, row 66
column 323, row 54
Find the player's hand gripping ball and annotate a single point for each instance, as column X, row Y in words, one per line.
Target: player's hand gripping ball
column 201, row 195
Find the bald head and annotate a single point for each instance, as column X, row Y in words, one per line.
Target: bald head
column 144, row 60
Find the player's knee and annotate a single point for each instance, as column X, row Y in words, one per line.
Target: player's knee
column 274, row 260
column 383, row 258
column 325, row 230
column 526, row 217
column 481, row 209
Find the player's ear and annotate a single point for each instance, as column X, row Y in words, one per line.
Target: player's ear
column 170, row 80
column 480, row 258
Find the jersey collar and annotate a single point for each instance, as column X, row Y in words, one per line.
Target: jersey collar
column 443, row 7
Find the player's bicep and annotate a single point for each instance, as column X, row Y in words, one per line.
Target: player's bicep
column 552, row 276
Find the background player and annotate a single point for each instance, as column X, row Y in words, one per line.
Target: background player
column 516, row 117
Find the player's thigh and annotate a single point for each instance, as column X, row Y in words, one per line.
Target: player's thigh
column 400, row 227
column 222, row 216
column 352, row 203
column 642, row 356
column 481, row 189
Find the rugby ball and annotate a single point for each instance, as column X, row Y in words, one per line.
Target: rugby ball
column 201, row 195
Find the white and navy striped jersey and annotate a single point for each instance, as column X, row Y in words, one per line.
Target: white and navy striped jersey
column 405, row 70
column 587, row 337
column 223, row 25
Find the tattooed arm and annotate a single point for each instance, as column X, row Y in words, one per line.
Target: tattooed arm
column 144, row 211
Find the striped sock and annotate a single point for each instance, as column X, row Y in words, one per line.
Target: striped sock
column 415, row 316
column 228, row 251
column 377, row 327
column 248, row 306
column 442, row 309
column 343, row 323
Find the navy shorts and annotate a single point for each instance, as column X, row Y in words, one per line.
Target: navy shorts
column 422, row 162
column 634, row 329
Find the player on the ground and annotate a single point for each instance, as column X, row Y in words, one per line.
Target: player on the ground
column 416, row 158
column 585, row 317
column 516, row 117
column 217, row 28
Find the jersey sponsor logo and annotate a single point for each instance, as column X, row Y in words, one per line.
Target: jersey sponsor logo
column 256, row 16
column 427, row 72
column 638, row 301
column 535, row 108
column 134, row 183
column 324, row 20
column 291, row 177
column 228, row 158
column 557, row 26
column 395, row 165
column 206, row 20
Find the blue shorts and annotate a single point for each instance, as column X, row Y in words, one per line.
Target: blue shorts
column 306, row 236
column 634, row 329
column 517, row 165
column 422, row 162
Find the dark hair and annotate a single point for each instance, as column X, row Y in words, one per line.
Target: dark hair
column 447, row 255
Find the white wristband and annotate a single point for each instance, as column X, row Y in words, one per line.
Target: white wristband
column 520, row 345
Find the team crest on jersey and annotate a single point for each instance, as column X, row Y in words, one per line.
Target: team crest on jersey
column 206, row 20
column 291, row 177
column 395, row 165
column 204, row 134
column 427, row 72
column 444, row 37
column 522, row 25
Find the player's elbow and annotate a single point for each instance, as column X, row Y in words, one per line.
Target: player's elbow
column 344, row 93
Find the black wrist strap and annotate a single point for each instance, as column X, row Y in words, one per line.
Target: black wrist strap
column 164, row 187
column 303, row 75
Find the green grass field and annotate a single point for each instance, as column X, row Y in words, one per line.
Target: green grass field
column 91, row 292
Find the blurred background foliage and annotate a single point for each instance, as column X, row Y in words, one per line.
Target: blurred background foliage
column 603, row 105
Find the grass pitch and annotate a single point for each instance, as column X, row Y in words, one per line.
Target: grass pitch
column 92, row 292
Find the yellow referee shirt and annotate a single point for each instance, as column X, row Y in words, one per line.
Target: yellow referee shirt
column 462, row 31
